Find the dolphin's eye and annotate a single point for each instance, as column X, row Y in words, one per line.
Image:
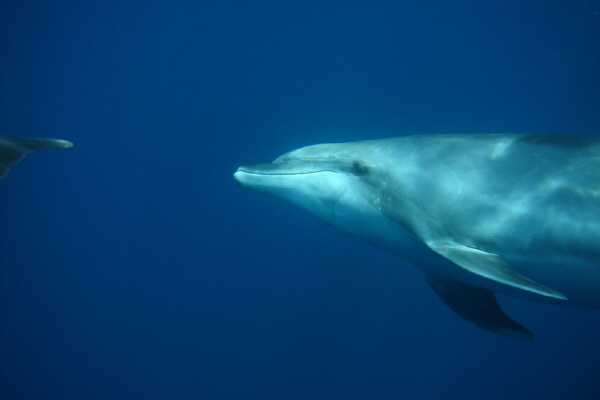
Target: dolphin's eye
column 359, row 168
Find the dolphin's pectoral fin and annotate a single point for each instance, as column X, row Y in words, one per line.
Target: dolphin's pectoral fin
column 490, row 266
column 478, row 306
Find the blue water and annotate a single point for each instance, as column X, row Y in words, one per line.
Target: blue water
column 133, row 268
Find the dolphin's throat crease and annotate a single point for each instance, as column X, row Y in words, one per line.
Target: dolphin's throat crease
column 477, row 214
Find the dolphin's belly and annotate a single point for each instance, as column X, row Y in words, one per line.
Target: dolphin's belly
column 550, row 236
column 577, row 279
column 567, row 263
column 556, row 255
column 557, row 249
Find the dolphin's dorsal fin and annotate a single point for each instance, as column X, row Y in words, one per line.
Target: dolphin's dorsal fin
column 478, row 306
column 13, row 149
column 489, row 266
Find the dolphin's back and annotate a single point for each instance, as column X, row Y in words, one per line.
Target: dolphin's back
column 519, row 185
column 13, row 149
column 503, row 184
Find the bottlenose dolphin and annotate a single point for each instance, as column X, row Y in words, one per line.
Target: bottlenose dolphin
column 13, row 149
column 478, row 214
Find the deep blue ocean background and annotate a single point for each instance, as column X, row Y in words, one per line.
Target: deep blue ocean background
column 132, row 266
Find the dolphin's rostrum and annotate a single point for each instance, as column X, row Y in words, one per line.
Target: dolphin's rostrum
column 477, row 214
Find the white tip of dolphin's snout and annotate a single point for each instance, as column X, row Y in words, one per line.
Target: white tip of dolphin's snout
column 246, row 174
column 238, row 177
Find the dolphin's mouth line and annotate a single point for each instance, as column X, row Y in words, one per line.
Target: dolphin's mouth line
column 287, row 173
column 280, row 171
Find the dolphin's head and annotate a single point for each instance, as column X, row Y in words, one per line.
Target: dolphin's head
column 341, row 184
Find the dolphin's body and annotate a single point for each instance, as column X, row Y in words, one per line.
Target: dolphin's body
column 13, row 149
column 477, row 214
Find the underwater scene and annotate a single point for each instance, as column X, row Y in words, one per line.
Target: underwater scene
column 300, row 200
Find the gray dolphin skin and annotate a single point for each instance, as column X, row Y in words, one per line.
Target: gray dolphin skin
column 478, row 214
column 13, row 149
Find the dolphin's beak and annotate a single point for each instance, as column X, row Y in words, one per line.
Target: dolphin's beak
column 247, row 176
column 265, row 169
column 255, row 175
